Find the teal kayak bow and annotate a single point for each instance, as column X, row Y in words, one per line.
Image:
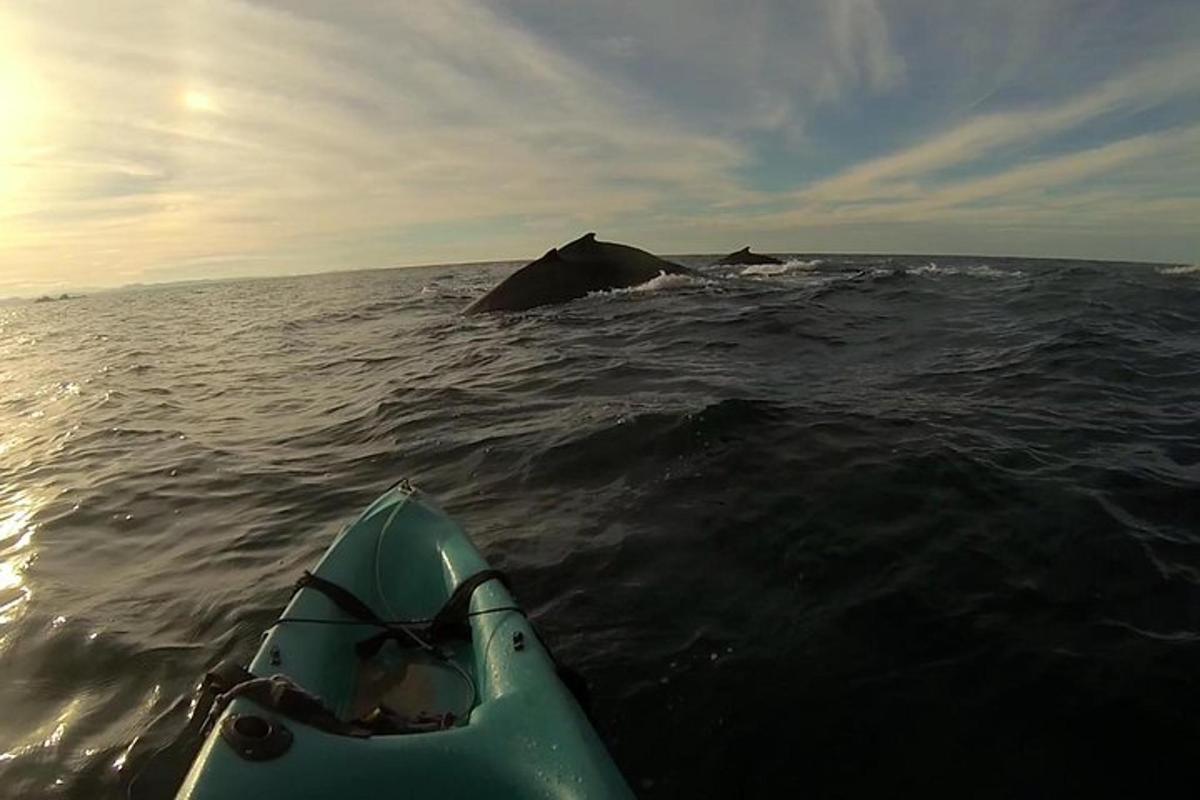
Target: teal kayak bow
column 401, row 668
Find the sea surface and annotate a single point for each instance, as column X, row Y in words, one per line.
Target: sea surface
column 849, row 526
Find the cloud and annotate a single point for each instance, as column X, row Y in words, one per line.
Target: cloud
column 761, row 65
column 1120, row 186
column 977, row 137
column 141, row 138
column 396, row 118
column 862, row 50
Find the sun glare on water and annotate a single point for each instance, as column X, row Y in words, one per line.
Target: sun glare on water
column 16, row 553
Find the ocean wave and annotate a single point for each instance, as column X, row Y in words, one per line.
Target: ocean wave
column 664, row 281
column 602, row 452
column 439, row 291
column 1180, row 269
column 772, row 270
column 972, row 271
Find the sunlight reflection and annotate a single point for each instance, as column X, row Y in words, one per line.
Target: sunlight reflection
column 48, row 736
column 119, row 762
column 16, row 552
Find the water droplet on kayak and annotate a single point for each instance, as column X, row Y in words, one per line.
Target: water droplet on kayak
column 712, row 656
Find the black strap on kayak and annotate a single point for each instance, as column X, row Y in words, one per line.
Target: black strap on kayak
column 341, row 597
column 452, row 619
column 449, row 623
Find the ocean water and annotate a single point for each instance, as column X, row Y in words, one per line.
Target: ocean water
column 848, row 526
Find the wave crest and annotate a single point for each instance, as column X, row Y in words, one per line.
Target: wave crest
column 974, row 271
column 771, row 270
column 660, row 282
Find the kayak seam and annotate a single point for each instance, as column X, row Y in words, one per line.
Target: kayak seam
column 424, row 645
column 379, row 549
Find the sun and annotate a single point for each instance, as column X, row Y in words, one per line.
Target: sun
column 195, row 100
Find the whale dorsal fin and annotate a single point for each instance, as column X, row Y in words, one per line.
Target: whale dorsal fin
column 744, row 251
column 583, row 241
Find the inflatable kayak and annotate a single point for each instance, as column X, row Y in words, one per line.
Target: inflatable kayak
column 401, row 668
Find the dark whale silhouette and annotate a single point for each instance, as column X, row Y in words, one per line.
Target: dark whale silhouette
column 744, row 256
column 572, row 271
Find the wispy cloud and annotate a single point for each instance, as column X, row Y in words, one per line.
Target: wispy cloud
column 1042, row 192
column 862, row 51
column 1146, row 86
column 310, row 127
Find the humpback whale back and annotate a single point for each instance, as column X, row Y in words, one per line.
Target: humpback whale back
column 747, row 256
column 572, row 271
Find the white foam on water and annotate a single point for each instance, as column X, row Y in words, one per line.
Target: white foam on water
column 972, row 271
column 660, row 282
column 764, row 270
column 984, row 271
column 1180, row 269
column 769, row 270
column 666, row 280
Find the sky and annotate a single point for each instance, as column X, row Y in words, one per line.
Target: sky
column 156, row 141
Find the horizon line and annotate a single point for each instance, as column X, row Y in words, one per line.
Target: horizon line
column 62, row 289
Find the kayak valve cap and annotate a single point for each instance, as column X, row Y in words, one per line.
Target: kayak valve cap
column 518, row 640
column 255, row 738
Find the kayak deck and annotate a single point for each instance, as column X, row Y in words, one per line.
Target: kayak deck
column 514, row 730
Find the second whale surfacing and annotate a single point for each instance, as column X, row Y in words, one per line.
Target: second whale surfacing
column 573, row 271
column 746, row 257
